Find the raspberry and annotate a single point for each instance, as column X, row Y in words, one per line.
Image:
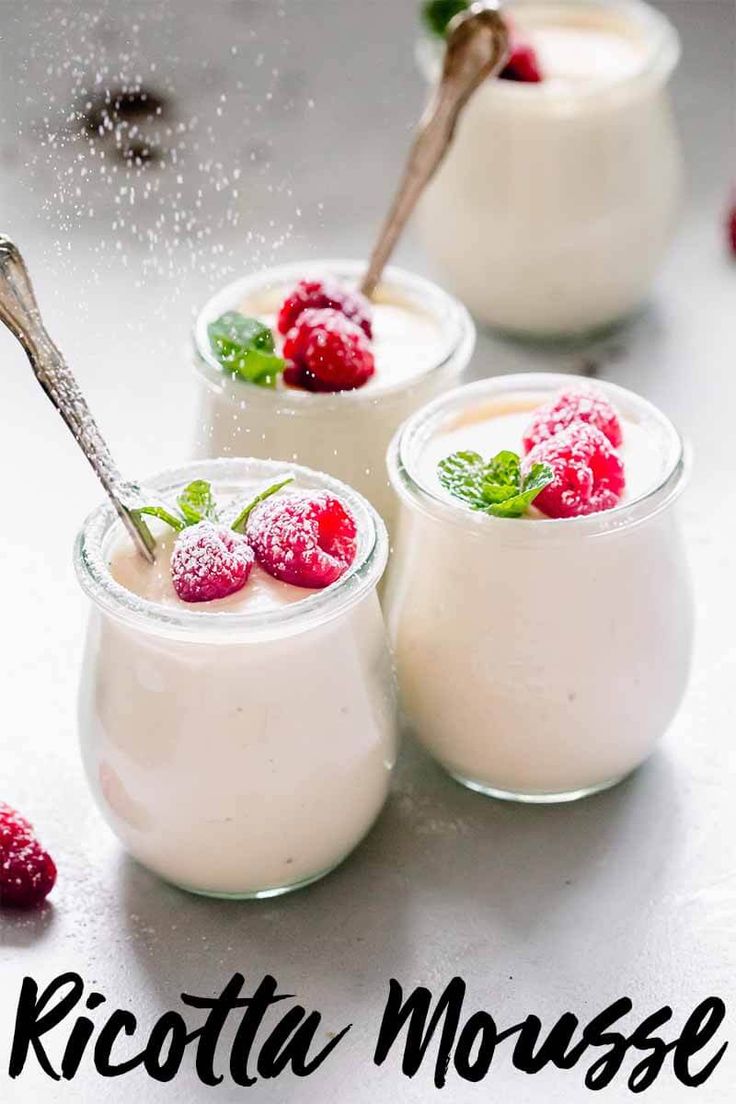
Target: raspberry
column 589, row 474
column 580, row 404
column 296, row 375
column 306, row 538
column 318, row 294
column 523, row 64
column 209, row 561
column 332, row 348
column 731, row 228
column 27, row 872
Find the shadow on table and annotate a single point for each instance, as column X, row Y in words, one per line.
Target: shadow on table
column 440, row 861
column 20, row 929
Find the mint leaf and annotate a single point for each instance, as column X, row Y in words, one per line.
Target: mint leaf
column 463, row 475
column 163, row 514
column 536, row 479
column 196, row 502
column 505, row 469
column 437, row 14
column 245, row 347
column 496, row 486
column 241, row 520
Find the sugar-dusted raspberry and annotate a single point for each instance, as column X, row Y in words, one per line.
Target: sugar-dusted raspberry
column 27, row 872
column 523, row 64
column 306, row 538
column 318, row 294
column 331, row 348
column 209, row 561
column 575, row 404
column 589, row 473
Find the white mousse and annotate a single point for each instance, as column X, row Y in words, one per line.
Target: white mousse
column 555, row 203
column 538, row 659
column 238, row 755
column 423, row 340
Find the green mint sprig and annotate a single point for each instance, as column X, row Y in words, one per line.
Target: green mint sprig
column 241, row 520
column 197, row 503
column 437, row 14
column 246, row 347
column 496, row 486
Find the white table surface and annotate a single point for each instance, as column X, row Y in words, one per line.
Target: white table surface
column 303, row 108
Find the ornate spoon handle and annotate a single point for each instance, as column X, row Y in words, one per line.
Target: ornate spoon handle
column 477, row 46
column 19, row 311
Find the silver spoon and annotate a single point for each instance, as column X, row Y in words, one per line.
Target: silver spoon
column 19, row 311
column 477, row 47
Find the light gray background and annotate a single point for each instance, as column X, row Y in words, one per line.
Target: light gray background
column 305, row 108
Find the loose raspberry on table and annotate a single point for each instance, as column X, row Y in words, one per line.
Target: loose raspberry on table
column 589, row 474
column 330, row 348
column 318, row 294
column 210, row 561
column 27, row 872
column 523, row 64
column 306, row 538
column 575, row 404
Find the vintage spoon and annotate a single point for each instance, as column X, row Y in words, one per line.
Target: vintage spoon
column 477, row 47
column 19, row 311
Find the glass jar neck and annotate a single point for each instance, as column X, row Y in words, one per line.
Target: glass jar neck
column 93, row 544
column 453, row 321
column 658, row 39
column 409, row 443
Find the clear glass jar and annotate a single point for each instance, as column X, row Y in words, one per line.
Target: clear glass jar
column 556, row 202
column 538, row 659
column 345, row 433
column 238, row 755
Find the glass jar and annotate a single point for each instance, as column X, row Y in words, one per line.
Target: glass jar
column 345, row 433
column 557, row 200
column 238, row 755
column 538, row 659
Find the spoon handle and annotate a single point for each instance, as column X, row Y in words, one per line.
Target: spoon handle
column 476, row 47
column 19, row 312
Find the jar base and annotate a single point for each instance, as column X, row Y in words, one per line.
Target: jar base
column 555, row 798
column 258, row 894
column 567, row 341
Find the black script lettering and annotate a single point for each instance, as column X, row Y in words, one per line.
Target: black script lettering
column 120, row 1022
column 418, row 1036
column 289, row 1042
column 700, row 1028
column 31, row 1022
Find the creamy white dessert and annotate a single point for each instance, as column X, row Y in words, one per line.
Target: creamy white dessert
column 239, row 747
column 539, row 659
column 422, row 341
column 554, row 206
column 500, row 424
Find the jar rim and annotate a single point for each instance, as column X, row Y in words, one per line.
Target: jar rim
column 95, row 579
column 416, row 430
column 658, row 61
column 457, row 326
